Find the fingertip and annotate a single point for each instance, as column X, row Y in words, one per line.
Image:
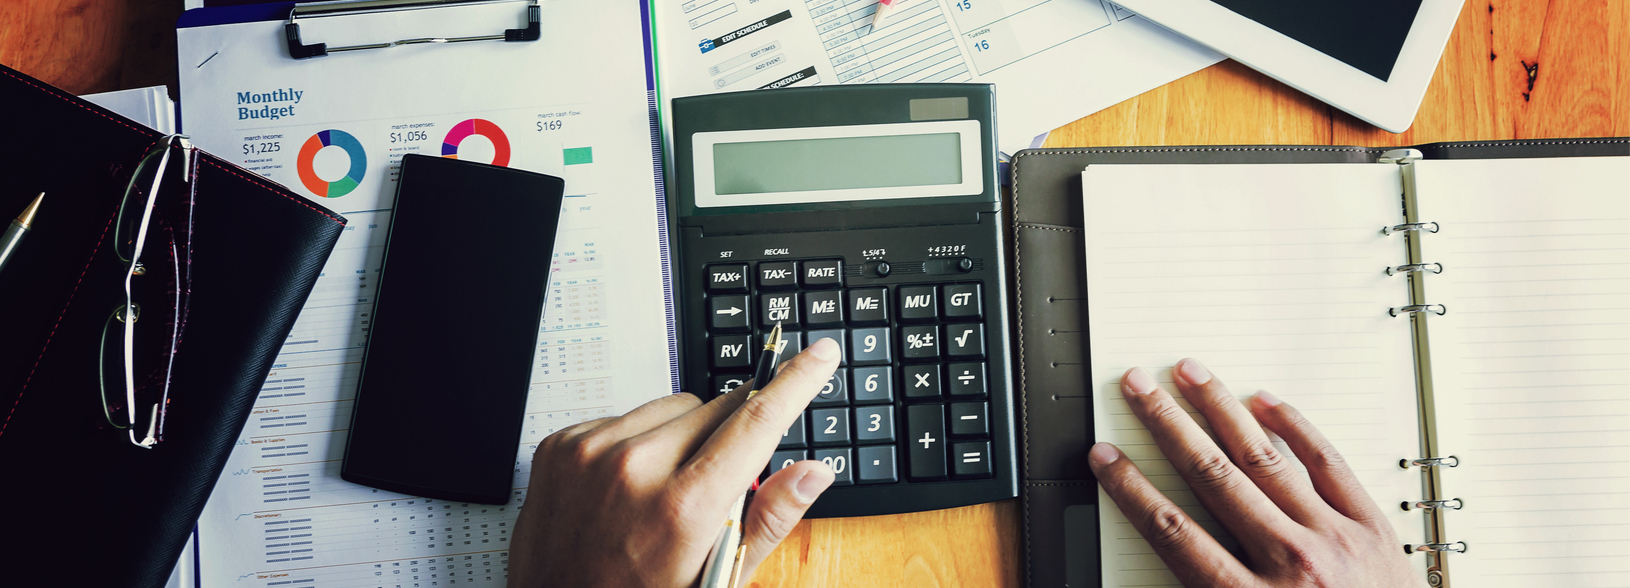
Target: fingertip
column 1264, row 400
column 825, row 349
column 1102, row 454
column 1192, row 371
column 816, row 479
column 1137, row 381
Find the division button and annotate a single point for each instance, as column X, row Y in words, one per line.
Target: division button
column 925, row 441
column 843, row 470
column 968, row 419
column 965, row 341
column 779, row 309
column 778, row 275
column 825, row 309
column 875, row 465
column 874, row 424
column 732, row 352
column 970, row 460
column 962, row 302
column 793, row 438
column 917, row 304
column 727, row 314
column 921, row 382
column 920, row 343
column 966, row 380
column 825, row 273
column 727, row 279
column 869, row 307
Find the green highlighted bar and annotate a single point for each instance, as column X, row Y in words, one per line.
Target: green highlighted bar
column 577, row 155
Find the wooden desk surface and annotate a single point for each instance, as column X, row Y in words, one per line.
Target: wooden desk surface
column 1515, row 69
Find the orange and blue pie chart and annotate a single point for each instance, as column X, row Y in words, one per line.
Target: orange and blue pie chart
column 353, row 176
column 477, row 126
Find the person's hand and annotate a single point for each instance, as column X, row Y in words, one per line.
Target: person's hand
column 1329, row 533
column 638, row 500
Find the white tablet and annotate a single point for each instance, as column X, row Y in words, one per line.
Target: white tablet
column 1372, row 58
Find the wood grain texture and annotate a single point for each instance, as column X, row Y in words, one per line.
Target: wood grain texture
column 1513, row 69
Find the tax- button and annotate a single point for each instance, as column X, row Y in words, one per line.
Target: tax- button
column 824, row 273
column 778, row 275
column 727, row 314
column 962, row 302
column 727, row 279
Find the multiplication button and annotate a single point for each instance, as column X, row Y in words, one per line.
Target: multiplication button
column 921, row 382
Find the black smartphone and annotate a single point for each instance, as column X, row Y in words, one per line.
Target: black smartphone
column 454, row 331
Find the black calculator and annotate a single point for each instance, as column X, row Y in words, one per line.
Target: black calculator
column 867, row 214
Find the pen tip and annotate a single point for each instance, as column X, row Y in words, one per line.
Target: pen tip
column 26, row 219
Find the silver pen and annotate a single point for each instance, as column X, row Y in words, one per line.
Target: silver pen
column 17, row 229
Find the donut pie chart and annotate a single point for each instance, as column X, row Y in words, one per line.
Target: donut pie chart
column 477, row 126
column 342, row 186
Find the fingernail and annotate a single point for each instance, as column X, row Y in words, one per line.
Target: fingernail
column 1103, row 454
column 810, row 486
column 1267, row 399
column 1138, row 381
column 826, row 349
column 1193, row 371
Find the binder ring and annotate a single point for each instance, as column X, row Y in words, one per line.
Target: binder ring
column 1434, row 267
column 1451, row 504
column 1456, row 547
column 1437, row 309
column 1428, row 462
column 1428, row 227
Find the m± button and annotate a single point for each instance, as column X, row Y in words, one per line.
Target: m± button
column 825, row 273
column 727, row 279
column 727, row 314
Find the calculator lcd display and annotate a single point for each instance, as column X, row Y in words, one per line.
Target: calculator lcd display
column 840, row 163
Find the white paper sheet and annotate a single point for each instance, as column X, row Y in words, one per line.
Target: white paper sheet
column 1053, row 61
column 150, row 106
column 1531, row 365
column 574, row 105
column 1272, row 275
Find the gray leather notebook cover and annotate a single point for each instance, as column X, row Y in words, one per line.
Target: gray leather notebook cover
column 1055, row 421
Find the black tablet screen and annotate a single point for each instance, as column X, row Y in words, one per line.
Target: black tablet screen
column 1367, row 35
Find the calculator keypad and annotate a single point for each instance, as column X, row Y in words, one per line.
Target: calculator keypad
column 910, row 402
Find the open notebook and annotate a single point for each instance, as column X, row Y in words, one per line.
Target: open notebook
column 1487, row 325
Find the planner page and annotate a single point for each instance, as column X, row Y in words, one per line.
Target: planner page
column 1273, row 276
column 1531, row 365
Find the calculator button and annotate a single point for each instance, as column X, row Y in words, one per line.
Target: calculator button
column 829, row 426
column 874, row 424
column 727, row 279
column 869, row 307
column 967, row 380
column 925, row 439
column 777, row 309
column 921, row 382
column 917, row 304
column 869, row 346
column 837, row 336
column 843, row 470
column 965, row 341
column 970, row 460
column 793, row 438
column 968, row 419
column 834, row 392
column 825, row 309
column 875, row 465
column 825, row 273
column 872, row 385
column 781, row 459
column 920, row 343
column 962, row 302
column 723, row 385
column 792, row 343
column 779, row 275
column 728, row 314
column 731, row 352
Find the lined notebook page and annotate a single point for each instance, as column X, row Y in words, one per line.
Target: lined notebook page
column 1272, row 275
column 1531, row 365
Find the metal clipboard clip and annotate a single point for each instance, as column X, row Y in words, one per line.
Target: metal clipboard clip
column 300, row 50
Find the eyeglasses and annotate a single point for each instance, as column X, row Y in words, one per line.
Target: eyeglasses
column 137, row 232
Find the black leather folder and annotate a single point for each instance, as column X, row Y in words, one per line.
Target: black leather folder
column 83, row 505
column 1060, row 495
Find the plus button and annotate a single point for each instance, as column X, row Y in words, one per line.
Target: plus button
column 926, row 440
